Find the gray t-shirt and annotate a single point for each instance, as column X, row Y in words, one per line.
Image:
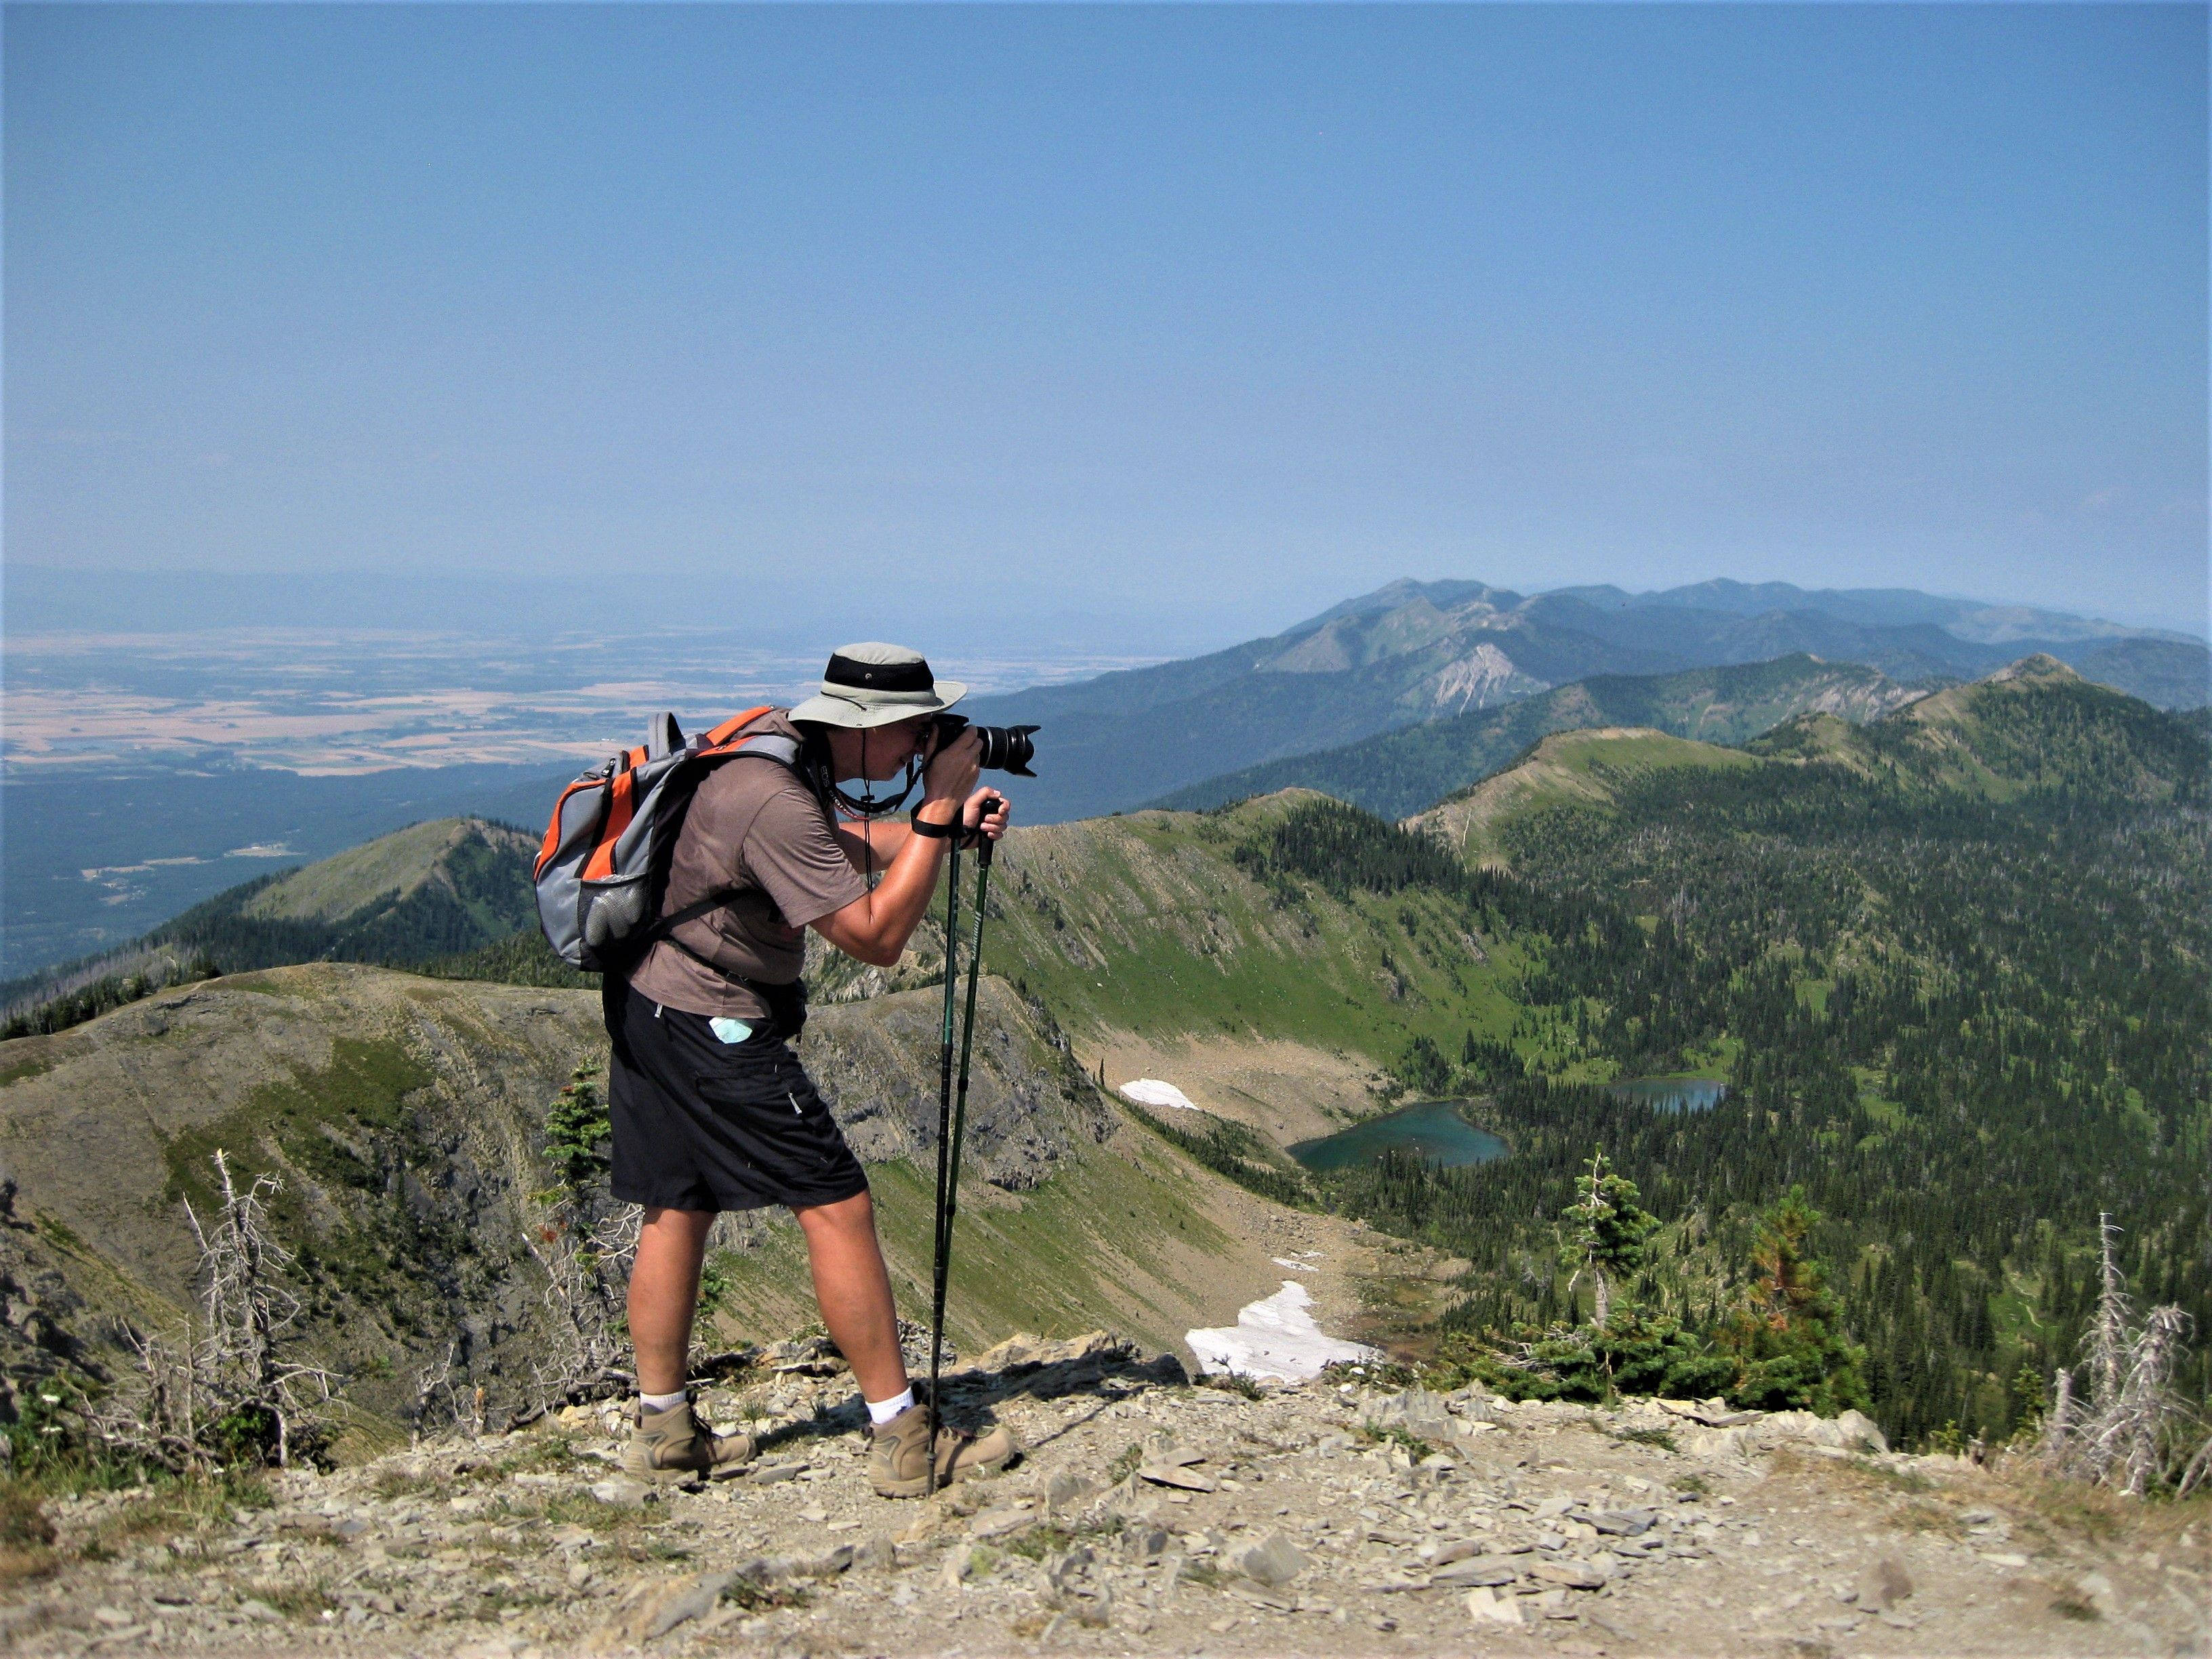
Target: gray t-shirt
column 755, row 826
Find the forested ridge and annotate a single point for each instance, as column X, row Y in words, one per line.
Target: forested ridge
column 466, row 911
column 1956, row 969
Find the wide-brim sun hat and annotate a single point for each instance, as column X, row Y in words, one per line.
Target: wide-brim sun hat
column 877, row 685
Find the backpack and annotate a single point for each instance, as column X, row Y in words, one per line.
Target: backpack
column 600, row 873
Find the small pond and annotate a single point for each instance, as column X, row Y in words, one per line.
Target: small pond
column 1434, row 1129
column 1672, row 1094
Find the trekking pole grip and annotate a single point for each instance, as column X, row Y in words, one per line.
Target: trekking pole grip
column 985, row 846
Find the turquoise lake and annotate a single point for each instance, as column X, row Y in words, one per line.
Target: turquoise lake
column 1434, row 1129
column 1672, row 1094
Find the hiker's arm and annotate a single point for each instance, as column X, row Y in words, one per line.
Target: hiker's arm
column 876, row 927
column 873, row 847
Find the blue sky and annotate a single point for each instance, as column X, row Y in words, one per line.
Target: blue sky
column 1150, row 314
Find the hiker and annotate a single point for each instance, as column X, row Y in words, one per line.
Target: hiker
column 710, row 1109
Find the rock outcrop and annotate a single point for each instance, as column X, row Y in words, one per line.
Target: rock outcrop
column 1147, row 1516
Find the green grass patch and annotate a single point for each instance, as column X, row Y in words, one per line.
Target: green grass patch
column 20, row 1071
column 1417, row 1448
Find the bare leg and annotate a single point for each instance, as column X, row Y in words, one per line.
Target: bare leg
column 664, row 1294
column 854, row 1290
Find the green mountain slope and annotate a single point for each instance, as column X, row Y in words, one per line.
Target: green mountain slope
column 2033, row 727
column 1585, row 768
column 1177, row 925
column 2037, row 726
column 449, row 885
column 1400, row 772
column 452, row 853
column 1955, row 964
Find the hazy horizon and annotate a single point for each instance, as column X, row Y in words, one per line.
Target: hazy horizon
column 1190, row 321
column 155, row 604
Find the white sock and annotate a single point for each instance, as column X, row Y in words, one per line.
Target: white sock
column 661, row 1402
column 880, row 1414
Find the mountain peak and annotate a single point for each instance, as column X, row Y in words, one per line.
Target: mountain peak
column 1565, row 768
column 384, row 870
column 2039, row 669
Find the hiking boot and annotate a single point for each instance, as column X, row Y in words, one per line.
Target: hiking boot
column 671, row 1447
column 898, row 1458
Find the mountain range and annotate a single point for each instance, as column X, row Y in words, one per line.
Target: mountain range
column 95, row 856
column 1414, row 652
column 1976, row 920
column 1401, row 771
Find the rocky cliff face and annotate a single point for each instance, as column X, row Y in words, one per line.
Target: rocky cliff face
column 1028, row 1104
column 404, row 1119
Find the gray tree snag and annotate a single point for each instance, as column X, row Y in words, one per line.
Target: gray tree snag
column 2136, row 1433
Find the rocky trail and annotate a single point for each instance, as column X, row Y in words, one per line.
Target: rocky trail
column 1148, row 1516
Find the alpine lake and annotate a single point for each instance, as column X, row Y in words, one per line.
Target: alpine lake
column 1434, row 1129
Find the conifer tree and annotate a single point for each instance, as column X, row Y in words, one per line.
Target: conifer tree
column 1786, row 1338
column 1609, row 1236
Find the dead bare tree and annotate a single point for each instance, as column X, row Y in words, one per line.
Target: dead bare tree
column 584, row 1241
column 153, row 1415
column 432, row 1380
column 2060, row 1419
column 245, row 1313
column 2105, row 1343
column 2136, row 1432
column 227, row 1379
column 587, row 1260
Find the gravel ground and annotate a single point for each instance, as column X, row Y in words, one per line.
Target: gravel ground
column 1149, row 1516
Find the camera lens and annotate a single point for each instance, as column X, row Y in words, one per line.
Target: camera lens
column 1005, row 748
column 1008, row 748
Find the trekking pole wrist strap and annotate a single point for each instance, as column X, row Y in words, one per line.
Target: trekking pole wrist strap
column 955, row 831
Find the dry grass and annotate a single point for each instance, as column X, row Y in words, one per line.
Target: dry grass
column 26, row 1537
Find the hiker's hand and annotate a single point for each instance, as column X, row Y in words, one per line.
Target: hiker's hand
column 987, row 811
column 951, row 772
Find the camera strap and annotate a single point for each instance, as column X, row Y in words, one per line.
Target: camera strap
column 867, row 806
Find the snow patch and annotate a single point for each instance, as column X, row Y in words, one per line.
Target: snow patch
column 1274, row 1337
column 1151, row 1091
column 1295, row 1267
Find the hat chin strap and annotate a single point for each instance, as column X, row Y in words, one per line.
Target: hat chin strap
column 865, row 804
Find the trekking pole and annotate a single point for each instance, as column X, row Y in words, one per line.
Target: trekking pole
column 937, row 1262
column 948, row 1205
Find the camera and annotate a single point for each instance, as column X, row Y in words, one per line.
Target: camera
column 1005, row 748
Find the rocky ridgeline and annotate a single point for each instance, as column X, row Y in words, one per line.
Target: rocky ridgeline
column 1148, row 1516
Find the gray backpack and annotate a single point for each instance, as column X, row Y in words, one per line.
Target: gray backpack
column 599, row 873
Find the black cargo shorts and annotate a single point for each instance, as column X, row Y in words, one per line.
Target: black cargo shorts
column 701, row 1124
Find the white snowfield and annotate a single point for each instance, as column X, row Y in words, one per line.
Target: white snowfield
column 1274, row 1337
column 1151, row 1091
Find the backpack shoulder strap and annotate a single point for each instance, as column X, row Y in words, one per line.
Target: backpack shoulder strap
column 774, row 745
column 725, row 742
